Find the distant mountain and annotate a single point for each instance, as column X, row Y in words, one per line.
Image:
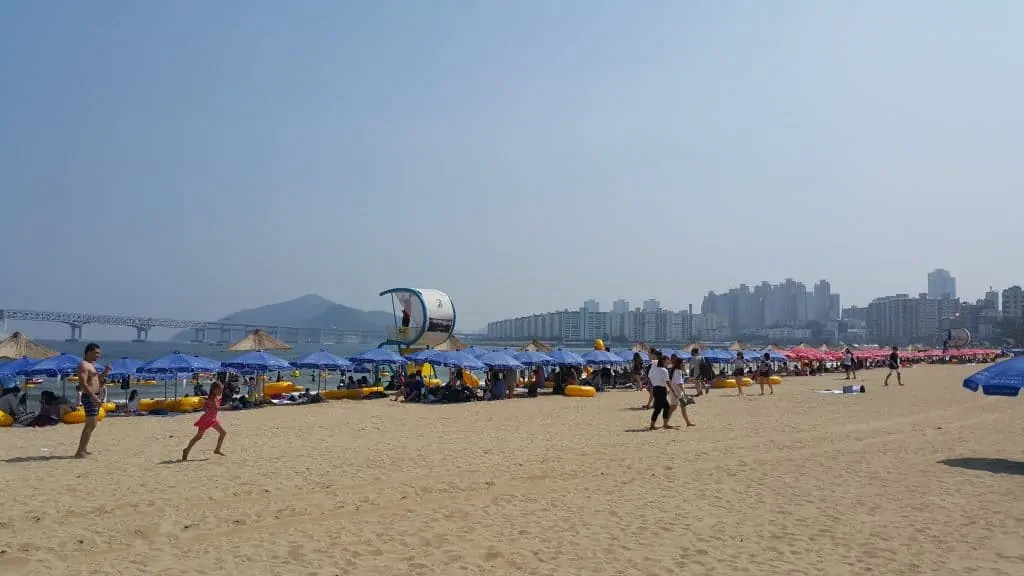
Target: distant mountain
column 288, row 313
column 339, row 316
column 309, row 311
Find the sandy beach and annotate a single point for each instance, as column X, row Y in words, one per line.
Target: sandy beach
column 923, row 479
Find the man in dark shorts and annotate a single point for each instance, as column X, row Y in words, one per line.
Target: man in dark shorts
column 90, row 381
column 894, row 366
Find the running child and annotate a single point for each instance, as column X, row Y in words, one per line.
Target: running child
column 764, row 373
column 208, row 420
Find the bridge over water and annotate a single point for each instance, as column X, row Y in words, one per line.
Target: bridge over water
column 224, row 331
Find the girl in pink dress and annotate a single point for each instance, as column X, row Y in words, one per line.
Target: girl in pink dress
column 208, row 420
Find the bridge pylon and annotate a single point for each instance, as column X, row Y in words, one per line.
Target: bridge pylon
column 76, row 333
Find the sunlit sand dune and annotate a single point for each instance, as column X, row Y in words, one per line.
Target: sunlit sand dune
column 924, row 479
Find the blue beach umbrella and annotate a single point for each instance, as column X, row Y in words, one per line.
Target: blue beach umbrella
column 597, row 357
column 627, row 355
column 717, row 356
column 531, row 358
column 772, row 355
column 500, row 361
column 455, row 359
column 259, row 361
column 1004, row 378
column 124, row 367
column 379, row 356
column 566, row 358
column 422, row 356
column 476, row 352
column 9, row 370
column 53, row 367
column 178, row 363
column 322, row 360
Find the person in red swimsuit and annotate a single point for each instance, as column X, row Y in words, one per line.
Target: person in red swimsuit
column 208, row 420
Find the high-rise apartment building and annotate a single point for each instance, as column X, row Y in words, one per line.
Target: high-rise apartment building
column 1013, row 302
column 941, row 284
column 788, row 304
column 592, row 306
column 902, row 319
column 620, row 306
column 652, row 305
column 991, row 301
column 655, row 325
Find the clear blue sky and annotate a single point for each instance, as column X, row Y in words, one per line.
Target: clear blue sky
column 189, row 159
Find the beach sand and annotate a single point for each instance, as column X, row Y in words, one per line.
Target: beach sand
column 923, row 479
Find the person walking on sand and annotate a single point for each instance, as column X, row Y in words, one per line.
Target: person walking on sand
column 848, row 363
column 894, row 366
column 208, row 420
column 90, row 382
column 658, row 376
column 695, row 371
column 637, row 370
column 654, row 357
column 676, row 395
column 764, row 373
column 739, row 371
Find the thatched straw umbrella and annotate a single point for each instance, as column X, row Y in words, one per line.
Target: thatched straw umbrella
column 694, row 344
column 774, row 348
column 737, row 346
column 452, row 344
column 535, row 346
column 17, row 345
column 258, row 340
column 642, row 347
column 802, row 346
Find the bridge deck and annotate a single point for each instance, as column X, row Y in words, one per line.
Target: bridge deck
column 143, row 323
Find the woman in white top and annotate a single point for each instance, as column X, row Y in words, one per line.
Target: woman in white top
column 676, row 396
column 658, row 376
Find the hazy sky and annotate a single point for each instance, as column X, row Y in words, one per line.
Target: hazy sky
column 188, row 159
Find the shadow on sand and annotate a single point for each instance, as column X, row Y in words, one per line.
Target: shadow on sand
column 179, row 461
column 993, row 465
column 24, row 459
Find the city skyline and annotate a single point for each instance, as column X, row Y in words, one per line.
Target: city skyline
column 783, row 311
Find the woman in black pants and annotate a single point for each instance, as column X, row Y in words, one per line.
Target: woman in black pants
column 658, row 376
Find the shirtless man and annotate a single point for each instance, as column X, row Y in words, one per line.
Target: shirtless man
column 90, row 382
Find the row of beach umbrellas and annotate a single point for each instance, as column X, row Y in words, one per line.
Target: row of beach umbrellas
column 259, row 361
column 1000, row 379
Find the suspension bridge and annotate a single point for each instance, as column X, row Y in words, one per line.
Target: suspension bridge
column 203, row 330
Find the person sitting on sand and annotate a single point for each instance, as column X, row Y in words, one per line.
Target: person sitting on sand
column 10, row 404
column 52, row 408
column 413, row 390
column 132, row 406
